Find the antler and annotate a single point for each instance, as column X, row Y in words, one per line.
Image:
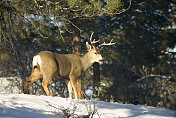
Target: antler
column 94, row 41
column 110, row 43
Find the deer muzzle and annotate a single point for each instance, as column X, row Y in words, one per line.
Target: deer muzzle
column 101, row 61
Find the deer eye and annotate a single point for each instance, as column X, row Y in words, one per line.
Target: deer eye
column 96, row 53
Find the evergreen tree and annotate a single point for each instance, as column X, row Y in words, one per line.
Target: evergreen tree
column 144, row 33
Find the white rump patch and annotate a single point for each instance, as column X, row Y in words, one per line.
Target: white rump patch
column 36, row 60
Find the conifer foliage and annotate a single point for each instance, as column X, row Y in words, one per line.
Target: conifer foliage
column 144, row 32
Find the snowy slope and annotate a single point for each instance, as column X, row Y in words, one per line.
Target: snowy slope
column 31, row 106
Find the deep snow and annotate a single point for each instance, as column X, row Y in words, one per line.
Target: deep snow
column 31, row 106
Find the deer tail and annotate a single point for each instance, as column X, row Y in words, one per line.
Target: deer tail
column 36, row 61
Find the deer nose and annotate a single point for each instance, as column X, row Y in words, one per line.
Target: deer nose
column 101, row 61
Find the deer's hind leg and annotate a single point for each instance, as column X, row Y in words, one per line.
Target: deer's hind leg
column 36, row 74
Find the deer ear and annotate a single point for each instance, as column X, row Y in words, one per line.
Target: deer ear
column 88, row 47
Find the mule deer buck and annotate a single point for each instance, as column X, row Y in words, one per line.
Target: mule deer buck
column 47, row 64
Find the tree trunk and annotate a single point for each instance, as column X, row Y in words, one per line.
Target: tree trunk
column 96, row 74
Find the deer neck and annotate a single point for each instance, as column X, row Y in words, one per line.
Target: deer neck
column 86, row 62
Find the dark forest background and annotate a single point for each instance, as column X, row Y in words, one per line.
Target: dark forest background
column 139, row 69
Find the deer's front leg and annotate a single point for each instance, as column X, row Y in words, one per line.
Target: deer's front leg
column 69, row 85
column 45, row 82
column 79, row 88
column 34, row 76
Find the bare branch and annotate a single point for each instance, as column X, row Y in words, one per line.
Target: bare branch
column 124, row 10
column 58, row 29
column 10, row 42
column 71, row 32
column 74, row 25
column 36, row 28
column 61, row 34
column 152, row 75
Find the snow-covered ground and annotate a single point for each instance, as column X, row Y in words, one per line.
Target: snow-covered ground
column 31, row 106
column 10, row 85
column 16, row 105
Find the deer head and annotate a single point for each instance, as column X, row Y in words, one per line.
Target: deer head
column 94, row 52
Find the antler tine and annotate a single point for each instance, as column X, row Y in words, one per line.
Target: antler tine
column 94, row 41
column 110, row 43
column 91, row 37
